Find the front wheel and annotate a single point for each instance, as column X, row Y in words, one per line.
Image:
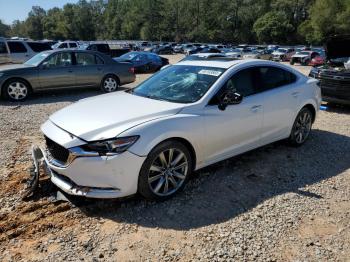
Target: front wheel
column 110, row 84
column 16, row 90
column 301, row 127
column 165, row 171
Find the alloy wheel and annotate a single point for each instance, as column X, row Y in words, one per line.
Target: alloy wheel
column 17, row 91
column 302, row 127
column 168, row 172
column 110, row 84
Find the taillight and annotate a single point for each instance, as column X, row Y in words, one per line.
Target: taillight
column 132, row 70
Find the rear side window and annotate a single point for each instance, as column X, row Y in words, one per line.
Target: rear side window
column 103, row 48
column 85, row 59
column 3, row 49
column 273, row 77
column 73, row 45
column 38, row 47
column 16, row 47
column 99, row 60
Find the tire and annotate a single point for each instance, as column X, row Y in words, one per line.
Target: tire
column 110, row 83
column 159, row 180
column 301, row 127
column 147, row 68
column 305, row 63
column 16, row 90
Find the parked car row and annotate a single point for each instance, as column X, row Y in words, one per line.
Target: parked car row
column 61, row 69
column 19, row 51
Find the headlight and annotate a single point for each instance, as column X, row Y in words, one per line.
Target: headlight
column 314, row 72
column 115, row 145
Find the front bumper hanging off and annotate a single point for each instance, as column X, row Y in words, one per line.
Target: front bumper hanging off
column 40, row 163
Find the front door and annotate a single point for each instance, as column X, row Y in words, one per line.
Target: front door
column 57, row 71
column 237, row 128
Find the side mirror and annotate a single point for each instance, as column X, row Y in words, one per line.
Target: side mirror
column 44, row 65
column 229, row 98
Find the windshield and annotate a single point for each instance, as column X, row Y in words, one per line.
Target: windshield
column 281, row 50
column 235, row 50
column 129, row 56
column 179, row 83
column 37, row 59
column 303, row 53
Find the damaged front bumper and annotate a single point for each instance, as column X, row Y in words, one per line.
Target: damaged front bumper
column 62, row 179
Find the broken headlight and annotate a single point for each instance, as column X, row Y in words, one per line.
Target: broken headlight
column 115, row 145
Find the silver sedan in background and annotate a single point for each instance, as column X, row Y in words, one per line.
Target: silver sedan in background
column 62, row 69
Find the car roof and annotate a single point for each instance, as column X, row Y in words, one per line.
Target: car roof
column 227, row 63
column 209, row 54
column 223, row 62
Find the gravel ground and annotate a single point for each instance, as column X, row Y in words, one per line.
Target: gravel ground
column 275, row 203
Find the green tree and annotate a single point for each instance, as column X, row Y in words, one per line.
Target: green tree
column 4, row 29
column 327, row 18
column 34, row 23
column 273, row 27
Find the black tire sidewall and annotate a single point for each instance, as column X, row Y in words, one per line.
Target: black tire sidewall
column 143, row 186
column 6, row 94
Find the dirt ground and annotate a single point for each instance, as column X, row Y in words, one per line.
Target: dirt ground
column 272, row 204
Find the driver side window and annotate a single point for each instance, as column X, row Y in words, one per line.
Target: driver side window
column 59, row 60
column 242, row 82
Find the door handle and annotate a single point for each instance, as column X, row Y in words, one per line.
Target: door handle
column 70, row 71
column 255, row 108
column 99, row 68
column 295, row 94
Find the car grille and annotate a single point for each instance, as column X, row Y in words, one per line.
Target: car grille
column 57, row 151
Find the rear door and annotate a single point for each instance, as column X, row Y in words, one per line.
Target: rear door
column 18, row 52
column 57, row 71
column 88, row 69
column 281, row 96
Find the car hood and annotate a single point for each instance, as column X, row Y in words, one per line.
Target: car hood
column 300, row 55
column 9, row 67
column 106, row 116
column 337, row 47
column 278, row 53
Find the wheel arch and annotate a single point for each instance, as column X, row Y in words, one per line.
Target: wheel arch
column 187, row 144
column 110, row 74
column 312, row 108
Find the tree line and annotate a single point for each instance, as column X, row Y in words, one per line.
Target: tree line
column 225, row 21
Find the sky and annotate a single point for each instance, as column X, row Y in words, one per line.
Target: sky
column 11, row 10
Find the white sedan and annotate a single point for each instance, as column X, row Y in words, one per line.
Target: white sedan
column 187, row 116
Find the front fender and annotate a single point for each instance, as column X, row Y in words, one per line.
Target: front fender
column 185, row 126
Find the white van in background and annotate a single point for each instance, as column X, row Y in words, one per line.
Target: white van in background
column 65, row 44
column 19, row 51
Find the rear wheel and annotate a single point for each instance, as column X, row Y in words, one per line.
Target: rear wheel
column 165, row 171
column 301, row 127
column 16, row 90
column 110, row 83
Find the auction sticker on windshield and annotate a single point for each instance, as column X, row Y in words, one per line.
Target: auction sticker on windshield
column 209, row 72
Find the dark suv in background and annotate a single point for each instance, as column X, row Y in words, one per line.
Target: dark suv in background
column 334, row 77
